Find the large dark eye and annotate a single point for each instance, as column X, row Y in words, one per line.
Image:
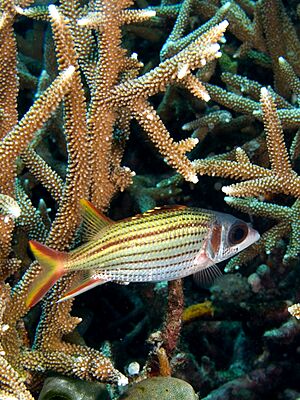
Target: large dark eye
column 237, row 233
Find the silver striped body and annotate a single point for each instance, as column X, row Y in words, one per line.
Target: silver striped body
column 158, row 246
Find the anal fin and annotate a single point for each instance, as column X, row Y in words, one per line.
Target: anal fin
column 84, row 282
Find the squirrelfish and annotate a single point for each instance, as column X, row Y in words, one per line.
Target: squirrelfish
column 162, row 244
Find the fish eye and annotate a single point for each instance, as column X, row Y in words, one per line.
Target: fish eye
column 237, row 233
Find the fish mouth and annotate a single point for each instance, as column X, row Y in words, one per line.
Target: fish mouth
column 253, row 235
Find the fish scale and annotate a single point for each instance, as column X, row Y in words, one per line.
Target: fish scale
column 162, row 244
column 146, row 226
column 143, row 244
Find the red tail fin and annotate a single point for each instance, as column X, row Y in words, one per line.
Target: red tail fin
column 52, row 263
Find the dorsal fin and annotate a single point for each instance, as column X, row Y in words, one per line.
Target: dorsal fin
column 93, row 220
column 158, row 210
column 164, row 208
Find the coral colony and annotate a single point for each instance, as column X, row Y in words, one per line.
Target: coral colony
column 126, row 106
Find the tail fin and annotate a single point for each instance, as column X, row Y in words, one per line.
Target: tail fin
column 52, row 263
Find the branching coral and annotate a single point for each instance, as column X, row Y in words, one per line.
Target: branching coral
column 276, row 110
column 260, row 181
column 86, row 97
column 116, row 94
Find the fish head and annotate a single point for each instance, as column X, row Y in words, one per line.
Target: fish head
column 229, row 236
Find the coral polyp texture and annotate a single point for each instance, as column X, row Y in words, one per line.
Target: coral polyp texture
column 133, row 105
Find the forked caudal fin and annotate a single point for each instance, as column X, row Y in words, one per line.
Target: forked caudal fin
column 52, row 263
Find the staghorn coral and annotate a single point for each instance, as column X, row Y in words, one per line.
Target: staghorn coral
column 259, row 181
column 82, row 106
column 116, row 95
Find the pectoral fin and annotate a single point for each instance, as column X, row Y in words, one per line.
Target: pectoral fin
column 83, row 282
column 206, row 276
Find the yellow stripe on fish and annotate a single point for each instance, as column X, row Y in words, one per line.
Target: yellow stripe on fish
column 162, row 244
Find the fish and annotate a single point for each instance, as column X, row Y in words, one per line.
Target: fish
column 162, row 244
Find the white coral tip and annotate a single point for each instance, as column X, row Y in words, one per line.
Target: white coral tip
column 182, row 71
column 223, row 25
column 122, row 381
column 264, row 91
column 215, row 47
column 228, row 199
column 205, row 96
column 19, row 10
column 226, row 6
column 226, row 189
column 69, row 71
column 4, row 327
column 53, row 11
column 149, row 13
column 82, row 21
column 193, row 178
column 14, row 211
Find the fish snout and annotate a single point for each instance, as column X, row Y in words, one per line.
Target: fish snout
column 253, row 235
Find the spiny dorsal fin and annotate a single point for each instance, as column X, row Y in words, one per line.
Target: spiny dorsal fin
column 166, row 207
column 158, row 210
column 93, row 220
